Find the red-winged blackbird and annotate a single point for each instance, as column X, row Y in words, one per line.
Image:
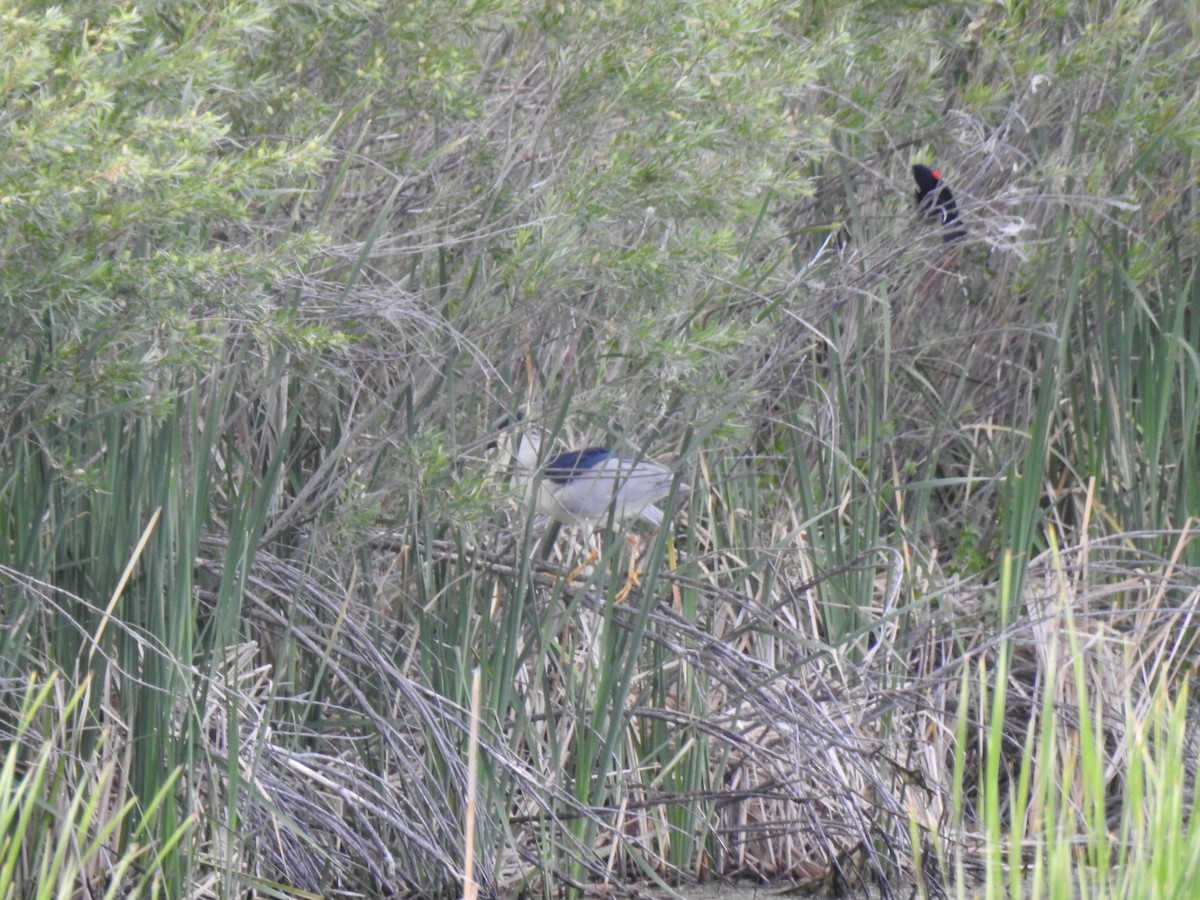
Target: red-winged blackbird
column 939, row 207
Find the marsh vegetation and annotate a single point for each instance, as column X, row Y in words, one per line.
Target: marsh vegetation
column 922, row 612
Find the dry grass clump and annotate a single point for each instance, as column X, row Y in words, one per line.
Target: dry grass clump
column 797, row 756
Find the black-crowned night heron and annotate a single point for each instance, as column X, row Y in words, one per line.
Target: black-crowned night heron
column 583, row 487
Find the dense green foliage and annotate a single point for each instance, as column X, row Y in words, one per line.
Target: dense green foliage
column 272, row 272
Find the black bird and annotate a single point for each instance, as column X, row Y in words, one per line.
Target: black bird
column 936, row 203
